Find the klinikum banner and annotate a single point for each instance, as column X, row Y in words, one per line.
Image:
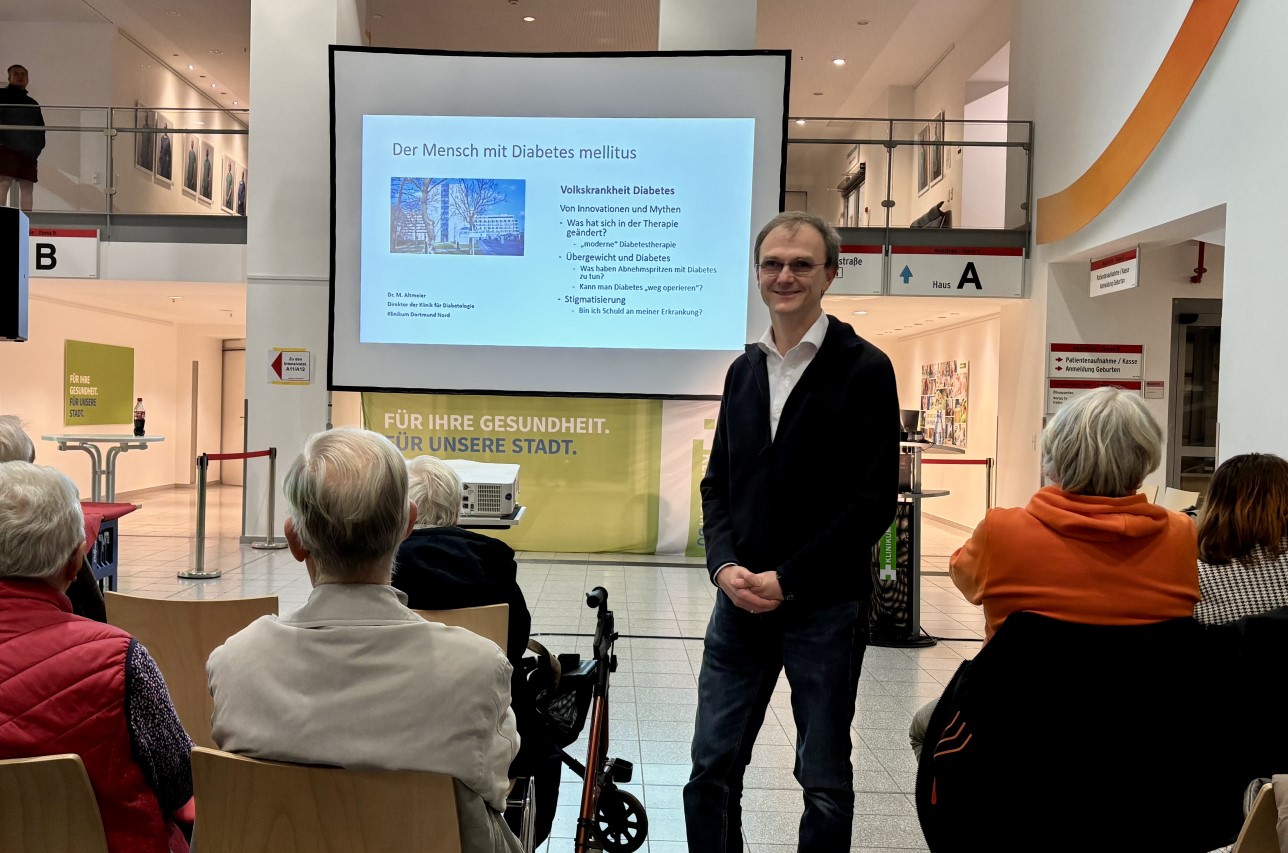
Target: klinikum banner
column 588, row 467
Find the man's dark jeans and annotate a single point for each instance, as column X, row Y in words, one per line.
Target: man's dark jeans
column 821, row 648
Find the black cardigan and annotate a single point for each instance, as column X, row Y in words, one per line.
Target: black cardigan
column 811, row 503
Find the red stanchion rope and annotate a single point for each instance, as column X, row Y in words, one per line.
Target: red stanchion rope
column 219, row 457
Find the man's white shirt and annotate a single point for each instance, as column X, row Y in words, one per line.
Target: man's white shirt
column 785, row 370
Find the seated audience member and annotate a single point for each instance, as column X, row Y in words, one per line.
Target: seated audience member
column 1243, row 540
column 1088, row 549
column 440, row 566
column 354, row 678
column 85, row 596
column 72, row 685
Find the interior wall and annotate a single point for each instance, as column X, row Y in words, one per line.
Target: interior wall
column 69, row 64
column 945, row 90
column 139, row 79
column 208, row 353
column 31, row 387
column 1139, row 316
column 1225, row 109
column 983, row 174
column 978, row 343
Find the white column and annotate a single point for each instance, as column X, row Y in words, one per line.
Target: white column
column 706, row 25
column 289, row 224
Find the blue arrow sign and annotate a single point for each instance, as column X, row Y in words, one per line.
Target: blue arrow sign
column 906, row 274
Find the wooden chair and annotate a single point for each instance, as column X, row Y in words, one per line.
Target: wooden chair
column 246, row 806
column 1259, row 833
column 47, row 804
column 489, row 620
column 180, row 635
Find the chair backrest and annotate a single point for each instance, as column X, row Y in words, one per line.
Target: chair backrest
column 47, row 804
column 246, row 806
column 180, row 635
column 1259, row 833
column 490, row 620
column 1176, row 500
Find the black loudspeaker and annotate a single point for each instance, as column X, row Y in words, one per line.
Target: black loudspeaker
column 14, row 270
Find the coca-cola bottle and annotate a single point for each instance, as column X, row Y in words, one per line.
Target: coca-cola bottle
column 139, row 416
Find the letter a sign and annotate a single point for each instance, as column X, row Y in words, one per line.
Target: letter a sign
column 956, row 271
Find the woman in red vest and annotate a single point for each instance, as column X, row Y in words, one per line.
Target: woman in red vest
column 69, row 684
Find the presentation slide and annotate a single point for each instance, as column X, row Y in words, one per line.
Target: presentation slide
column 626, row 233
column 571, row 224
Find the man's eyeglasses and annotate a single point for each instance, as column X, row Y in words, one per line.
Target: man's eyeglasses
column 799, row 267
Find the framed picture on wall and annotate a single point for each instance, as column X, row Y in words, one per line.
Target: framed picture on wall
column 145, row 139
column 930, row 154
column 190, row 164
column 165, row 151
column 226, row 184
column 241, row 190
column 205, row 190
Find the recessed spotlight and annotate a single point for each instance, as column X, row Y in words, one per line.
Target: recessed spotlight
column 191, row 67
column 174, row 298
column 214, row 51
column 860, row 313
column 817, row 93
column 212, row 85
column 201, row 124
column 377, row 17
column 864, row 22
column 838, row 61
column 175, row 55
column 202, row 76
column 529, row 18
column 234, row 103
column 172, row 13
column 223, row 93
column 800, row 121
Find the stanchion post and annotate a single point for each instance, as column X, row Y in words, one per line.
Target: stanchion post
column 269, row 544
column 199, row 572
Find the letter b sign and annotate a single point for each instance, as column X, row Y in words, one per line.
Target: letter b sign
column 46, row 256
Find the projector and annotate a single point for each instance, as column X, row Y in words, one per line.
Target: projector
column 488, row 489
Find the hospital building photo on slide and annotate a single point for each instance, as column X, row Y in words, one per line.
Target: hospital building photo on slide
column 456, row 216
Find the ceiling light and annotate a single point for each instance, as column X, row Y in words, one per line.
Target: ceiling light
column 202, row 76
column 864, row 22
column 800, row 121
column 818, row 93
column 174, row 298
column 860, row 313
column 838, row 61
column 216, row 51
column 529, row 18
column 377, row 16
column 212, row 85
column 172, row 12
column 234, row 103
column 201, row 124
column 223, row 93
column 191, row 67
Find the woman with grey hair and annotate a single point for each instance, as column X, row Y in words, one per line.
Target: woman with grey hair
column 72, row 685
column 1089, row 548
column 441, row 566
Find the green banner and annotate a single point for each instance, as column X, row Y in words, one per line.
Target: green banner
column 696, row 544
column 588, row 467
column 98, row 384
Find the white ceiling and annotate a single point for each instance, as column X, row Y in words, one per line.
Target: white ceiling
column 895, row 317
column 221, row 307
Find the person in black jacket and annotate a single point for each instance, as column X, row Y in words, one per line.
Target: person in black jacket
column 440, row 566
column 19, row 149
column 801, row 483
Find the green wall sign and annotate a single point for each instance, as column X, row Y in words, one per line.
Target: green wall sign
column 98, row 384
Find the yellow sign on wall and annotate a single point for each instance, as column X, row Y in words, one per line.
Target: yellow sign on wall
column 98, row 384
column 588, row 467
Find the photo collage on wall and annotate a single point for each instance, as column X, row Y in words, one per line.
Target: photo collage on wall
column 188, row 160
column 944, row 391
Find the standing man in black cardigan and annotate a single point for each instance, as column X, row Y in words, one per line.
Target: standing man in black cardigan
column 802, row 481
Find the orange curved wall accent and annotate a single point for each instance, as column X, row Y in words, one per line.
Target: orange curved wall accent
column 1064, row 213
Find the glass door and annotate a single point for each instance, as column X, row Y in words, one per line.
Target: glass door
column 1196, row 370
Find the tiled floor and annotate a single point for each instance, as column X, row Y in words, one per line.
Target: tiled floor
column 661, row 605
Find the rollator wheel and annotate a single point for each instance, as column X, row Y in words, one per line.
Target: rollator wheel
column 620, row 821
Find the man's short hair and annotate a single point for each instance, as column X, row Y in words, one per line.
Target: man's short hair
column 11, row 67
column 792, row 220
column 1102, row 443
column 346, row 494
column 41, row 524
column 435, row 489
column 15, row 444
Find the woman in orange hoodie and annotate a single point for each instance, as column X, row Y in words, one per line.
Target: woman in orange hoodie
column 1089, row 549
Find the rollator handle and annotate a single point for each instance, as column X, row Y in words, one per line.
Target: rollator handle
column 596, row 598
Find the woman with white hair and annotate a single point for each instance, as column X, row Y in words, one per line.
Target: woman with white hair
column 1089, row 548
column 72, row 685
column 441, row 566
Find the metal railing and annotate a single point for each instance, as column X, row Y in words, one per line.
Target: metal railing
column 140, row 160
